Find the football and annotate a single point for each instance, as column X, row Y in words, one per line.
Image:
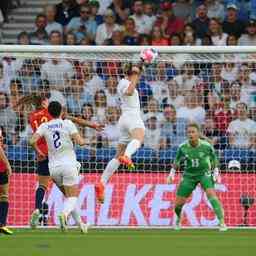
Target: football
column 148, row 56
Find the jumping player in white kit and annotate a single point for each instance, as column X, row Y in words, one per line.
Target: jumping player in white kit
column 131, row 127
column 63, row 165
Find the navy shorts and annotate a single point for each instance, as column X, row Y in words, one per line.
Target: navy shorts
column 3, row 178
column 43, row 168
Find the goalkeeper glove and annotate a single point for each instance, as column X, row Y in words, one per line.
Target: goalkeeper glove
column 216, row 175
column 170, row 178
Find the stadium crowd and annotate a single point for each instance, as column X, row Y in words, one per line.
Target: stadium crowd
column 181, row 22
column 221, row 97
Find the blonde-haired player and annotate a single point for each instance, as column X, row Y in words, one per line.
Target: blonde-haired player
column 131, row 126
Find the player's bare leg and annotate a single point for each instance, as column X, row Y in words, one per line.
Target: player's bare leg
column 179, row 202
column 137, row 136
column 71, row 194
column 4, row 205
column 217, row 207
column 43, row 182
column 111, row 167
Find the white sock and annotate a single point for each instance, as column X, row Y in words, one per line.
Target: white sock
column 69, row 205
column 111, row 167
column 76, row 216
column 132, row 147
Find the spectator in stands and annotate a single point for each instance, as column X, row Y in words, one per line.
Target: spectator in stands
column 52, row 25
column 149, row 10
column 189, row 39
column 131, row 36
column 117, row 38
column 100, row 104
column 90, row 135
column 83, row 26
column 58, row 72
column 55, row 38
column 232, row 25
column 39, row 36
column 216, row 84
column 158, row 84
column 183, row 10
column 30, row 76
column 215, row 30
column 232, row 40
column 235, row 95
column 105, row 30
column 4, row 81
column 189, row 31
column 111, row 133
column 173, row 97
column 78, row 96
column 173, row 128
column 23, row 38
column 215, row 9
column 186, row 80
column 70, row 39
column 168, row 22
column 242, row 131
column 222, row 115
column 65, row 11
column 122, row 10
column 142, row 21
column 95, row 5
column 229, row 71
column 192, row 111
column 91, row 80
column 248, row 85
column 111, row 92
column 201, row 22
column 144, row 39
column 250, row 37
column 207, row 40
column 16, row 93
column 8, row 118
column 212, row 133
column 175, row 39
column 152, row 108
column 158, row 38
column 153, row 138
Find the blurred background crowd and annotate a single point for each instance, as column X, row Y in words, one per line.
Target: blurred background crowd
column 132, row 22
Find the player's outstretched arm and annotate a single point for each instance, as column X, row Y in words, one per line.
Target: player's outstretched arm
column 78, row 139
column 134, row 79
column 33, row 143
column 6, row 161
column 85, row 123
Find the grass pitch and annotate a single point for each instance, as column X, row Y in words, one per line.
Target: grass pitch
column 26, row 242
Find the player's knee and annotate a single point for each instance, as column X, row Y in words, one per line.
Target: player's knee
column 210, row 193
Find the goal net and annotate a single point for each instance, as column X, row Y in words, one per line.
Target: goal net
column 215, row 87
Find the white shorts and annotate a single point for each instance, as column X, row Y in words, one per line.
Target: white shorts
column 126, row 123
column 66, row 174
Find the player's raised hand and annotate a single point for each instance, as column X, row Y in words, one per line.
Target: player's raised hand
column 216, row 175
column 171, row 176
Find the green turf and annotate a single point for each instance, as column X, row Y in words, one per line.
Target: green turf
column 129, row 242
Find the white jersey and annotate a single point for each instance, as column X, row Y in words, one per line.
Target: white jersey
column 131, row 103
column 57, row 134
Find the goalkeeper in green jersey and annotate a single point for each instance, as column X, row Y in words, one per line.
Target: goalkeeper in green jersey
column 200, row 164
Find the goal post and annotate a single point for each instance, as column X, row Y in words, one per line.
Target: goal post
column 213, row 86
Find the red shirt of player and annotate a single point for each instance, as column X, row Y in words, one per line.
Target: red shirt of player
column 36, row 118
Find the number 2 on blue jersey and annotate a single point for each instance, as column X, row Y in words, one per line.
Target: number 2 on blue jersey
column 56, row 139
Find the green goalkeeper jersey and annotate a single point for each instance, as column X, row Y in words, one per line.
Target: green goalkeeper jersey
column 196, row 160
